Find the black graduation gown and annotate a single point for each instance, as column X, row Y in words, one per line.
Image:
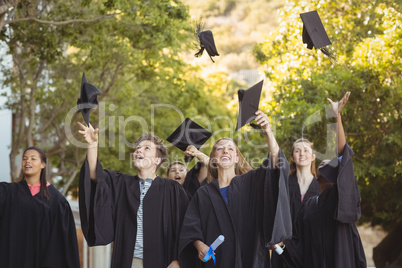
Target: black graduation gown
column 191, row 183
column 257, row 215
column 325, row 233
column 108, row 211
column 295, row 205
column 295, row 196
column 35, row 232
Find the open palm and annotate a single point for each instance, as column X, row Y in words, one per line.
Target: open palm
column 89, row 133
column 337, row 107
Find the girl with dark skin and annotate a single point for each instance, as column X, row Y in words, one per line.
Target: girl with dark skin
column 37, row 226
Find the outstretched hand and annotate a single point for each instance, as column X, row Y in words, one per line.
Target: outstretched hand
column 190, row 150
column 262, row 120
column 89, row 133
column 338, row 106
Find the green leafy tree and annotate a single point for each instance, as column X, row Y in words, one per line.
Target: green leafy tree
column 132, row 54
column 365, row 38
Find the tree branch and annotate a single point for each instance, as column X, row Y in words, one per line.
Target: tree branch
column 62, row 22
column 31, row 123
column 113, row 80
column 55, row 113
column 79, row 160
column 70, row 180
column 32, row 105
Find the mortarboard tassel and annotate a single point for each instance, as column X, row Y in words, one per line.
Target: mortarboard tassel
column 199, row 28
column 205, row 41
column 199, row 53
column 328, row 54
column 211, row 59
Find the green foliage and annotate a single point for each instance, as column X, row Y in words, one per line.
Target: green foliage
column 131, row 53
column 365, row 37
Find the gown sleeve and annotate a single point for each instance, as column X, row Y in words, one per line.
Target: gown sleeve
column 97, row 201
column 190, row 232
column 179, row 203
column 277, row 218
column 62, row 246
column 276, row 209
column 348, row 209
column 191, row 183
column 293, row 255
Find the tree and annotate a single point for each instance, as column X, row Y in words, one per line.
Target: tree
column 365, row 38
column 132, row 57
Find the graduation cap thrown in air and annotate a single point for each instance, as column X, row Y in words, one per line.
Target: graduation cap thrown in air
column 330, row 170
column 248, row 104
column 189, row 133
column 206, row 40
column 314, row 34
column 88, row 98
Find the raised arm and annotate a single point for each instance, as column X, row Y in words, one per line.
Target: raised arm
column 340, row 133
column 91, row 137
column 263, row 120
column 204, row 159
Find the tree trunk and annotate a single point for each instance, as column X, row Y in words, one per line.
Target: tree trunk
column 389, row 252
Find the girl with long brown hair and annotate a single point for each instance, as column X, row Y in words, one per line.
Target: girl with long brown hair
column 302, row 185
column 249, row 207
column 325, row 232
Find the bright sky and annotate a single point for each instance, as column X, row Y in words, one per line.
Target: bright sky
column 5, row 137
column 5, row 133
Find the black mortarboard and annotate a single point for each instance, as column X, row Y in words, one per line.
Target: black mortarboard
column 248, row 104
column 330, row 170
column 189, row 133
column 314, row 34
column 88, row 98
column 206, row 40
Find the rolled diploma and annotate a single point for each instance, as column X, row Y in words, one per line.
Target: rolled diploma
column 278, row 249
column 217, row 242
